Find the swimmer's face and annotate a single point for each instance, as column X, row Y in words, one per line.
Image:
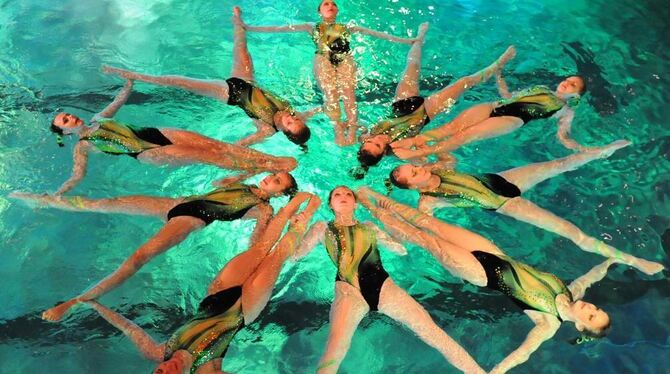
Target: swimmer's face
column 571, row 86
column 342, row 200
column 275, row 184
column 67, row 121
column 412, row 176
column 589, row 317
column 293, row 123
column 328, row 9
column 375, row 145
column 175, row 365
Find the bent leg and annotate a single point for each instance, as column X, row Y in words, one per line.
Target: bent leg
column 138, row 205
column 243, row 66
column 172, row 233
column 525, row 177
column 524, row 210
column 346, row 313
column 397, row 304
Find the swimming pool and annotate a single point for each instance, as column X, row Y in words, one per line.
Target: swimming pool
column 52, row 52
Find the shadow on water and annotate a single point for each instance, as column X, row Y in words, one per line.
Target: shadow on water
column 600, row 95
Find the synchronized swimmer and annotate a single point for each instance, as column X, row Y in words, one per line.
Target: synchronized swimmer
column 242, row 289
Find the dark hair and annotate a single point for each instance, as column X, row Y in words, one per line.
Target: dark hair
column 292, row 188
column 397, row 182
column 358, row 172
column 318, row 7
column 584, row 86
column 330, row 195
column 300, row 137
column 367, row 159
column 59, row 133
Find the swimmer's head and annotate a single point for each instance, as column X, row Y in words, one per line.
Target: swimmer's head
column 572, row 86
column 328, row 10
column 342, row 200
column 67, row 123
column 179, row 363
column 410, row 177
column 279, row 184
column 372, row 150
column 589, row 319
column 295, row 129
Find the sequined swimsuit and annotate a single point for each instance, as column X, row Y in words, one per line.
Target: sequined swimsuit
column 207, row 335
column 529, row 288
column 223, row 204
column 116, row 138
column 408, row 118
column 487, row 191
column 534, row 103
column 353, row 249
column 332, row 41
column 256, row 102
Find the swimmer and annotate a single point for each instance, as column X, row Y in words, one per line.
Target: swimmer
column 158, row 146
column 269, row 113
column 545, row 298
column 182, row 215
column 362, row 285
column 334, row 65
column 411, row 112
column 501, row 193
column 236, row 297
column 485, row 121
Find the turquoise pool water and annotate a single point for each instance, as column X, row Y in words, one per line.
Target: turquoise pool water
column 51, row 56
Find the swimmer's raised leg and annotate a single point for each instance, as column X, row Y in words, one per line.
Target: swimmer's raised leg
column 409, row 83
column 243, row 66
column 217, row 89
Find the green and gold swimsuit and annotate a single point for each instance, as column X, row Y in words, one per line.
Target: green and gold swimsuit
column 223, row 204
column 256, row 102
column 487, row 191
column 116, row 138
column 408, row 118
column 528, row 287
column 207, row 335
column 353, row 249
column 534, row 103
column 332, row 41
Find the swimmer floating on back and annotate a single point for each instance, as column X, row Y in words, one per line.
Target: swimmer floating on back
column 269, row 113
column 362, row 285
column 159, row 146
column 235, row 298
column 182, row 215
column 546, row 299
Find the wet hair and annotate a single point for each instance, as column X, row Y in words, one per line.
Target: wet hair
column 368, row 159
column 397, row 182
column 300, row 137
column 358, row 172
column 318, row 8
column 590, row 335
column 59, row 133
column 292, row 188
column 584, row 86
column 330, row 195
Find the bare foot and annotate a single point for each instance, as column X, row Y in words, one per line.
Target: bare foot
column 423, row 29
column 607, row 150
column 649, row 267
column 509, row 54
column 237, row 16
column 33, row 199
column 56, row 313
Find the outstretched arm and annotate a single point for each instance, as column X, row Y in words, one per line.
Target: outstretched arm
column 79, row 169
column 564, row 128
column 389, row 242
column 382, row 35
column 264, row 131
column 579, row 286
column 503, row 90
column 546, row 326
column 428, row 204
column 118, row 102
column 314, row 236
column 305, row 27
column 149, row 348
